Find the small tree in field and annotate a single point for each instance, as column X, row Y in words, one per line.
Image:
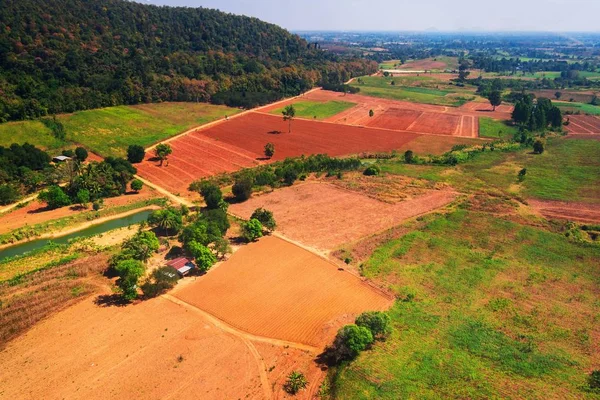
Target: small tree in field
column 269, row 150
column 130, row 271
column 136, row 185
column 296, row 381
column 242, row 189
column 289, row 112
column 252, row 230
column 379, row 323
column 371, row 113
column 163, row 151
column 135, row 153
column 409, row 156
column 495, row 98
column 350, row 341
column 558, row 95
column 594, row 380
column 205, row 258
column 81, row 154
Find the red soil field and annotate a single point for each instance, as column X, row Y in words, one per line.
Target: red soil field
column 196, row 156
column 394, row 118
column 445, row 124
column 572, row 211
column 276, row 289
column 35, row 212
column 583, row 125
column 325, row 217
column 133, row 352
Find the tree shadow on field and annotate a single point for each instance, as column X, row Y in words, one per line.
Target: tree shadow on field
column 274, row 132
column 263, row 158
column 111, row 300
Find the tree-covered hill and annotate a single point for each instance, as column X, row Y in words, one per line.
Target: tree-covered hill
column 66, row 55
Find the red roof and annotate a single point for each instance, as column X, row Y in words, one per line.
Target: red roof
column 178, row 262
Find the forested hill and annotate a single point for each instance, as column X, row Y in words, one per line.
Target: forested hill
column 66, row 55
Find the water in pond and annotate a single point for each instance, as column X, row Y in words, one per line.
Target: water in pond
column 26, row 247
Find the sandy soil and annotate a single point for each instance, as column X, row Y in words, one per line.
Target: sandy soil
column 152, row 350
column 276, row 289
column 572, row 211
column 323, row 216
column 35, row 212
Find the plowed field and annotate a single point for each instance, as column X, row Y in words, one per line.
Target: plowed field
column 276, row 289
column 586, row 125
column 323, row 216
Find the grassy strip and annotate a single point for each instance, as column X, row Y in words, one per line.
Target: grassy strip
column 18, row 279
column 56, row 225
column 33, row 132
column 318, row 110
column 582, row 107
column 490, row 128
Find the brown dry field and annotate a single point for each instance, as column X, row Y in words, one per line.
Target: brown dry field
column 36, row 213
column 583, row 96
column 93, row 352
column 324, row 216
column 572, row 211
column 278, row 290
column 583, row 125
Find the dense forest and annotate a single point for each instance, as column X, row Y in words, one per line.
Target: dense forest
column 65, row 55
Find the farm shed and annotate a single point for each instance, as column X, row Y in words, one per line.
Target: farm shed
column 60, row 158
column 182, row 265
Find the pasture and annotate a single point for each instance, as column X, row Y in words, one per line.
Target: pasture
column 492, row 309
column 578, row 107
column 108, row 131
column 278, row 290
column 493, row 129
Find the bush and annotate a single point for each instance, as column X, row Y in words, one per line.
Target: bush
column 136, row 185
column 379, row 323
column 265, row 217
column 68, row 153
column 350, row 341
column 81, row 154
column 296, row 381
column 252, row 230
column 242, row 189
column 212, row 194
column 264, row 178
column 409, row 156
column 8, row 194
column 269, row 150
column 54, row 197
column 161, row 280
column 372, row 170
column 539, row 146
column 205, row 258
column 135, row 153
column 594, row 379
column 522, row 174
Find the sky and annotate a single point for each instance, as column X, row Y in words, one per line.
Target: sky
column 414, row 15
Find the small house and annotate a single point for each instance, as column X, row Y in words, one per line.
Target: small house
column 58, row 159
column 182, row 265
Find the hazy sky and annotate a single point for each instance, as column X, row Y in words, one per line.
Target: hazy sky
column 403, row 15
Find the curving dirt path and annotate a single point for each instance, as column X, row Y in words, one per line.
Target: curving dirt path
column 572, row 211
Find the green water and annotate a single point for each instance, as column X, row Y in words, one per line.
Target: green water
column 93, row 230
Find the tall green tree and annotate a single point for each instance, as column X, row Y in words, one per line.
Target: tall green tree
column 169, row 220
column 163, row 151
column 495, row 98
column 289, row 113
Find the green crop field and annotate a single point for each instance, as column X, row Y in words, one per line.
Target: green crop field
column 567, row 170
column 581, row 107
column 108, row 131
column 33, row 132
column 489, row 308
column 418, row 89
column 318, row 110
column 491, row 128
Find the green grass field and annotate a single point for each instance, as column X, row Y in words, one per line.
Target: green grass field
column 33, row 132
column 500, row 310
column 567, row 170
column 318, row 110
column 491, row 128
column 108, row 131
column 418, row 89
column 581, row 107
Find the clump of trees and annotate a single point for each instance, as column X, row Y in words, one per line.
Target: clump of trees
column 129, row 263
column 242, row 188
column 265, row 217
column 352, row 339
column 160, row 281
column 169, row 220
column 536, row 116
column 135, row 153
column 252, row 230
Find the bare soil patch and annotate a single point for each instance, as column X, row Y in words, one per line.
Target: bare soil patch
column 585, row 125
column 276, row 289
column 572, row 211
column 323, row 216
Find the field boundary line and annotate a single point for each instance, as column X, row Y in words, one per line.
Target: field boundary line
column 238, row 332
column 167, row 193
